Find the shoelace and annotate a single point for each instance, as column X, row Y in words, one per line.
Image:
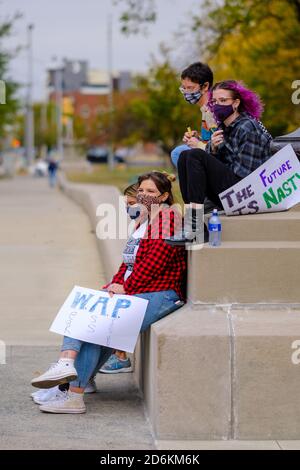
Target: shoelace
column 60, row 399
column 53, row 365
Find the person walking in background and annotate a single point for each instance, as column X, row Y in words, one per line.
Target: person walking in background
column 52, row 171
column 196, row 81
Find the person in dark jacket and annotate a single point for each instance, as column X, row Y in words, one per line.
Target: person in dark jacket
column 239, row 146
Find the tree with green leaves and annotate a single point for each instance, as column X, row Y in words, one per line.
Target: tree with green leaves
column 8, row 110
column 257, row 42
column 249, row 40
column 136, row 15
column 157, row 113
column 45, row 129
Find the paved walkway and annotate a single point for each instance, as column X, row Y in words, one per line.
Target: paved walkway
column 47, row 246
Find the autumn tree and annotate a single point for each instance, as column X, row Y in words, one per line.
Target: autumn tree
column 158, row 112
column 9, row 105
column 251, row 40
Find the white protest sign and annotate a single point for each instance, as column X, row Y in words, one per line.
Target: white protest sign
column 273, row 187
column 95, row 317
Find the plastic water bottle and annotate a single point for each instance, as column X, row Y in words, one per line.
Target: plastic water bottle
column 215, row 229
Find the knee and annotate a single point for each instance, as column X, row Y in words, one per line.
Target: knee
column 197, row 153
column 186, row 157
column 196, row 156
column 182, row 158
column 175, row 154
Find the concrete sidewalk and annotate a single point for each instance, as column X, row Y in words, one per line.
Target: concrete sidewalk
column 47, row 246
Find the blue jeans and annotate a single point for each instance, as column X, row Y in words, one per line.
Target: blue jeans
column 52, row 178
column 92, row 356
column 175, row 154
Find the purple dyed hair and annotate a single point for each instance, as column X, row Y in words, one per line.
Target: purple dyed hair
column 250, row 101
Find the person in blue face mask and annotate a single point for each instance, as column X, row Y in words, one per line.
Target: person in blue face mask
column 119, row 361
column 196, row 81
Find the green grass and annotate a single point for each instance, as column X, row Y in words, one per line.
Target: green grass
column 119, row 177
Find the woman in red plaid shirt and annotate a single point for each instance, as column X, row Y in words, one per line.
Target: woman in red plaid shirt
column 151, row 269
column 149, row 265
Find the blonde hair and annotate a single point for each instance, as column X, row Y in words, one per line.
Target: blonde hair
column 131, row 190
column 171, row 177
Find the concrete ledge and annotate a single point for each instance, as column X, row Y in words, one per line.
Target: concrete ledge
column 266, row 382
column 224, row 445
column 221, row 373
column 296, row 208
column 275, row 226
column 89, row 196
column 186, row 378
column 245, row 272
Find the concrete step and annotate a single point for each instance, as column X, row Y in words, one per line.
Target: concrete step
column 262, row 227
column 236, row 374
column 245, row 272
column 296, row 208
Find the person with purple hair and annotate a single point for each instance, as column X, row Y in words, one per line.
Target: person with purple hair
column 239, row 145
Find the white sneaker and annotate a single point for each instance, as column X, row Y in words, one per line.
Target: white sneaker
column 91, row 386
column 41, row 390
column 71, row 403
column 48, row 395
column 44, row 395
column 61, row 372
column 35, row 394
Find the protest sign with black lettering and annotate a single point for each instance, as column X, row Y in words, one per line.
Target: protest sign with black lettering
column 273, row 187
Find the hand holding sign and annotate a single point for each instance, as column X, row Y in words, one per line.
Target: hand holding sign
column 115, row 289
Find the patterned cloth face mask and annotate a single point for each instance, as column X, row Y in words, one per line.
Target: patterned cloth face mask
column 147, row 200
column 191, row 97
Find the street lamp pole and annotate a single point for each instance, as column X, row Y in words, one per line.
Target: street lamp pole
column 29, row 121
column 58, row 100
column 111, row 90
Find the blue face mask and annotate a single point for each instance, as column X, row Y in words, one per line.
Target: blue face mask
column 191, row 97
column 133, row 211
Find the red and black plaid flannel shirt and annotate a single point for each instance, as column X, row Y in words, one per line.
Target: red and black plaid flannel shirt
column 158, row 266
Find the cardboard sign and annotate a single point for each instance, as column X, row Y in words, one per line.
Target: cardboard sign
column 95, row 317
column 273, row 187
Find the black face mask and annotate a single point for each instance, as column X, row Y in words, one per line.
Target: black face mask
column 133, row 211
column 222, row 112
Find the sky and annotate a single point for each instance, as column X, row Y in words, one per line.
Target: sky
column 77, row 29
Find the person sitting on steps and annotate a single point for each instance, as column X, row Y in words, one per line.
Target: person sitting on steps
column 118, row 361
column 239, row 146
column 196, row 81
column 154, row 273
